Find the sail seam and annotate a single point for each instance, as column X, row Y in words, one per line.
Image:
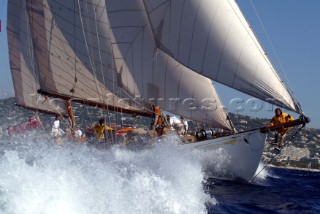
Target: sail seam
column 253, row 39
column 33, row 12
column 263, row 53
column 208, row 36
column 158, row 6
column 27, row 72
column 85, row 39
column 100, row 57
column 34, row 21
column 76, row 12
column 223, row 48
column 58, row 66
column 193, row 29
column 238, row 62
column 178, row 55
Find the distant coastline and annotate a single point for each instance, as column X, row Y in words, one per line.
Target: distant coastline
column 295, row 168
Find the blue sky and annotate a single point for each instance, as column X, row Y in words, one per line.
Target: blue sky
column 6, row 87
column 293, row 29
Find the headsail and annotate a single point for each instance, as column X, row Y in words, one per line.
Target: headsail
column 74, row 54
column 213, row 38
column 160, row 79
column 25, row 78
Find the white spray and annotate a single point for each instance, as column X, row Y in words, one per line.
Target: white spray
column 74, row 178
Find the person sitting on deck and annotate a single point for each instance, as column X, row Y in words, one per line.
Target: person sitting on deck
column 185, row 124
column 280, row 118
column 78, row 132
column 168, row 121
column 179, row 125
column 56, row 130
column 101, row 130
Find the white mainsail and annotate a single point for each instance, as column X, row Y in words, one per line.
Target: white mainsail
column 74, row 53
column 25, row 78
column 213, row 38
column 160, row 79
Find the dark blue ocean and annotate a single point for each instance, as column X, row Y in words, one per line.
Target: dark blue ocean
column 280, row 191
column 40, row 177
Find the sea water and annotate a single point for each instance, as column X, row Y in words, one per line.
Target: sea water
column 40, row 177
column 275, row 190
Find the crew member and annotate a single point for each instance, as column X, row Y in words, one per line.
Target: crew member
column 78, row 132
column 185, row 124
column 280, row 118
column 56, row 131
column 158, row 122
column 101, row 130
column 179, row 125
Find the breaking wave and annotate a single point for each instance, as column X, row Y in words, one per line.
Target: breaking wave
column 39, row 177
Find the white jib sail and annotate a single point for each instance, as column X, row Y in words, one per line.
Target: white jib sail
column 213, row 38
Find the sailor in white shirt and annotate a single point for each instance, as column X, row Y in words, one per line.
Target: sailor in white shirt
column 185, row 123
column 78, row 132
column 56, row 131
column 179, row 125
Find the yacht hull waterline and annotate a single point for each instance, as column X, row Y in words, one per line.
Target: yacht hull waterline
column 243, row 149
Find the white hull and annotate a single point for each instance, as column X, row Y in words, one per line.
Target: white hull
column 244, row 151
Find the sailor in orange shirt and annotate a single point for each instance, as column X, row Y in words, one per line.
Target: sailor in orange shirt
column 280, row 118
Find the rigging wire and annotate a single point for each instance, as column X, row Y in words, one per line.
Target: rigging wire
column 91, row 51
column 31, row 59
column 105, row 102
column 273, row 157
column 274, row 52
column 87, row 47
column 256, row 42
column 99, row 50
column 29, row 71
column 74, row 46
column 90, row 54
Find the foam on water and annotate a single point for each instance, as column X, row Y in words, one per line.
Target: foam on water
column 46, row 178
column 216, row 163
column 262, row 172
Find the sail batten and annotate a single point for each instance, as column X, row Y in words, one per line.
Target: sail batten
column 218, row 43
